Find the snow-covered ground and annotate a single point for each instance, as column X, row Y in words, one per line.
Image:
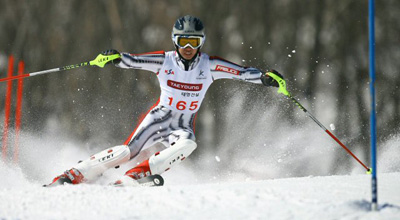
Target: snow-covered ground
column 268, row 178
column 330, row 197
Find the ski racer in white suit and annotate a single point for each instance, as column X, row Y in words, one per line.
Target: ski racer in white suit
column 184, row 76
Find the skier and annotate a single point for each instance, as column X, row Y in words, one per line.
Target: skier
column 184, row 76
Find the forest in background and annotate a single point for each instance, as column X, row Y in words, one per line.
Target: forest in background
column 321, row 47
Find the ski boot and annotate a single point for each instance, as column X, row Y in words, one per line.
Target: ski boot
column 132, row 176
column 72, row 176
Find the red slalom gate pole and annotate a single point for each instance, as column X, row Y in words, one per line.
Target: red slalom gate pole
column 21, row 66
column 7, row 108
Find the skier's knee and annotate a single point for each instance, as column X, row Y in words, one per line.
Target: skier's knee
column 187, row 146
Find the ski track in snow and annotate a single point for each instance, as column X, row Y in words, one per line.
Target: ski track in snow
column 330, row 197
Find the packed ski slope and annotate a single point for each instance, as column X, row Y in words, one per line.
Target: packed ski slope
column 331, row 197
column 260, row 178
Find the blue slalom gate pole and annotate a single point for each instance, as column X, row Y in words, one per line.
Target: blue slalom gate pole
column 374, row 188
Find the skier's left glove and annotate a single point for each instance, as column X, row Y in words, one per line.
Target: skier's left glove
column 112, row 52
column 268, row 80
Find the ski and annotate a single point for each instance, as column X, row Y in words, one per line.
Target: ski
column 152, row 180
column 148, row 181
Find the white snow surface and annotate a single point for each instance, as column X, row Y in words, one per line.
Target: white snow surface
column 329, row 197
column 287, row 177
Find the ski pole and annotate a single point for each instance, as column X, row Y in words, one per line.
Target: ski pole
column 99, row 61
column 282, row 89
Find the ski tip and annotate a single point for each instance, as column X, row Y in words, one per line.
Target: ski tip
column 51, row 185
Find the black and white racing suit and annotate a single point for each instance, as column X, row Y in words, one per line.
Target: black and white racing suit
column 171, row 121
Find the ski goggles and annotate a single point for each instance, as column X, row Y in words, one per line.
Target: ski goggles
column 183, row 41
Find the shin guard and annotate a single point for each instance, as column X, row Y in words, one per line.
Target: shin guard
column 97, row 164
column 164, row 160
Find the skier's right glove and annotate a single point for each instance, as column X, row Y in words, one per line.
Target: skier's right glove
column 112, row 52
column 268, row 80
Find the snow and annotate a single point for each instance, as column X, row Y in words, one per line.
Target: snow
column 264, row 179
column 329, row 197
column 274, row 189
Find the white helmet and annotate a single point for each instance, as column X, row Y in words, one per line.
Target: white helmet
column 188, row 31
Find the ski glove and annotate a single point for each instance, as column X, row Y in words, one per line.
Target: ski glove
column 112, row 52
column 269, row 81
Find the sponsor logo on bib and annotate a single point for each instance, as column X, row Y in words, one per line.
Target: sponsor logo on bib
column 169, row 72
column 201, row 75
column 184, row 86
